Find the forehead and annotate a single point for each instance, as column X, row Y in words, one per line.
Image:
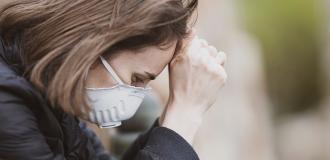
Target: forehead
column 151, row 59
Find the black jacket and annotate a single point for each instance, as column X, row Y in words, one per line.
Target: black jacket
column 30, row 129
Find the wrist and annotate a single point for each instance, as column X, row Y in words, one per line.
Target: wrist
column 182, row 119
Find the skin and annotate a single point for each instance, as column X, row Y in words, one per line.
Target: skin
column 196, row 75
column 139, row 67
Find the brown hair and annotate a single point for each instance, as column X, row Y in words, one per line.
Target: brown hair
column 59, row 40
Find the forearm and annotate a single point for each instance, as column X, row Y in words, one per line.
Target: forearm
column 176, row 118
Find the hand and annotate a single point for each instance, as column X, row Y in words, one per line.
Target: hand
column 196, row 76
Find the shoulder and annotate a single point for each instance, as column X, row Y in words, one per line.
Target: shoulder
column 18, row 98
column 20, row 135
column 14, row 86
column 16, row 95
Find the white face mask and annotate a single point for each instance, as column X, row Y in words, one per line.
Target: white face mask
column 112, row 105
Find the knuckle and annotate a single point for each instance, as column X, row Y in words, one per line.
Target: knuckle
column 213, row 50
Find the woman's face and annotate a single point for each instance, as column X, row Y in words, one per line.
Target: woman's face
column 136, row 69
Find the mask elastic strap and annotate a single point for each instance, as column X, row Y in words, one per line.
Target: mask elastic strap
column 111, row 71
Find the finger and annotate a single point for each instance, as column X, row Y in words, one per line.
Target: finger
column 203, row 43
column 203, row 52
column 221, row 58
column 185, row 45
column 220, row 72
column 191, row 35
column 213, row 51
column 195, row 46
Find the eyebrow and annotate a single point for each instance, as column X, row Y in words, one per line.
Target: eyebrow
column 151, row 76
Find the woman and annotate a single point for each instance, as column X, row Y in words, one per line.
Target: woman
column 62, row 61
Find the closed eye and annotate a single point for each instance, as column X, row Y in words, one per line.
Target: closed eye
column 138, row 81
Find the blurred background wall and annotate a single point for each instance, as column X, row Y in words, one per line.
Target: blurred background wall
column 326, row 69
column 294, row 35
column 276, row 104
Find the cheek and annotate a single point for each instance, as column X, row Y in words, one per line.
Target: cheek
column 124, row 67
column 98, row 77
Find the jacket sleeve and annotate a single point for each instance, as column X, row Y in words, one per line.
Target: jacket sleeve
column 160, row 143
column 20, row 136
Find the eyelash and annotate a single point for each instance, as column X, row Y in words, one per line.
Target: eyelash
column 137, row 80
